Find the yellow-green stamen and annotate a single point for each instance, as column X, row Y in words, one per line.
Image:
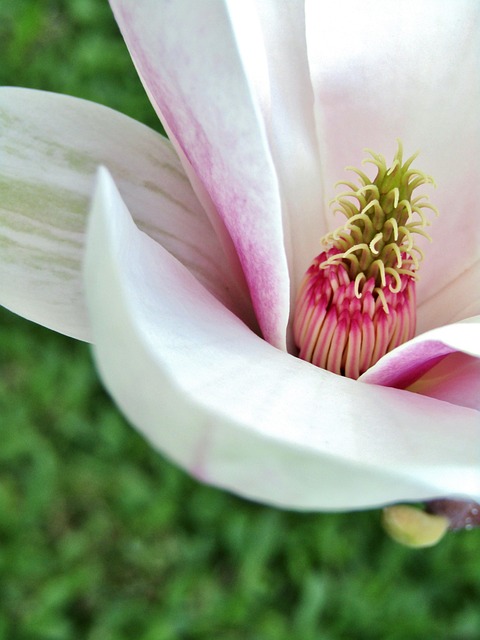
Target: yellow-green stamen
column 382, row 220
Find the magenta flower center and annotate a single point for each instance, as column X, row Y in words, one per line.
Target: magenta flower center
column 357, row 299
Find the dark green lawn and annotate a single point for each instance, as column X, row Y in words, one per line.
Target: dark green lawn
column 102, row 539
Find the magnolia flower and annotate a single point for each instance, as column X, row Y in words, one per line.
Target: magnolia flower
column 195, row 247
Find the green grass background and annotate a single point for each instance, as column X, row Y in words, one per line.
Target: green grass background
column 102, row 539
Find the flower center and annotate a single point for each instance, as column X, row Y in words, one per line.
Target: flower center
column 357, row 299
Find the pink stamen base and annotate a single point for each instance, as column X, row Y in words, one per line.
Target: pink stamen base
column 347, row 331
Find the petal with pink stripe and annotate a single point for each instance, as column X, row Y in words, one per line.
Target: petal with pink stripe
column 189, row 61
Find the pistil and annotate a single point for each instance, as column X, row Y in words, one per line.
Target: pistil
column 357, row 299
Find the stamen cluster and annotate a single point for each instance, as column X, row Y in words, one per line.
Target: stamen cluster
column 357, row 299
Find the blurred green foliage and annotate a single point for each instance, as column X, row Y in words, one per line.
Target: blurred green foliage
column 103, row 539
column 73, row 47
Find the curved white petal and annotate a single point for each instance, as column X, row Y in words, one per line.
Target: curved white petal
column 383, row 69
column 283, row 85
column 188, row 59
column 411, row 360
column 239, row 413
column 51, row 148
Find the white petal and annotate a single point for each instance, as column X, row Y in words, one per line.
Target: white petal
column 457, row 300
column 239, row 413
column 51, row 148
column 383, row 69
column 195, row 77
column 283, row 84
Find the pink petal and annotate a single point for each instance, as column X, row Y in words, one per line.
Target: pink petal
column 455, row 379
column 188, row 59
column 404, row 365
column 50, row 151
column 243, row 415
